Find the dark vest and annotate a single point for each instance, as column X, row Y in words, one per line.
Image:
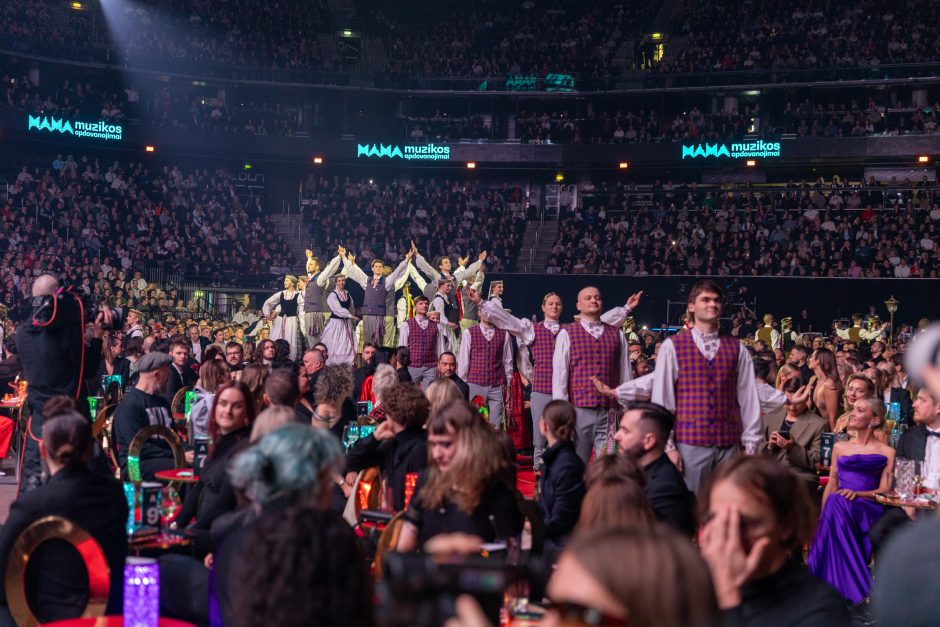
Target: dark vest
column 289, row 306
column 315, row 296
column 470, row 309
column 375, row 301
column 450, row 311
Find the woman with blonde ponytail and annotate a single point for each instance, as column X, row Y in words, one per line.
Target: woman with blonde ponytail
column 562, row 485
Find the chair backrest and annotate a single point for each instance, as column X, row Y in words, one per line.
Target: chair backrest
column 530, row 511
column 369, row 490
column 55, row 528
column 388, row 541
column 133, row 450
column 176, row 405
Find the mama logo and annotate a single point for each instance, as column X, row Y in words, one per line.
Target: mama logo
column 708, row 150
column 98, row 130
column 50, row 124
column 381, row 150
column 426, row 152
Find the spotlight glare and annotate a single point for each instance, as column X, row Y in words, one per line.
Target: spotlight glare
column 78, row 6
column 471, row 165
column 624, row 165
column 923, row 159
column 318, row 160
column 150, row 148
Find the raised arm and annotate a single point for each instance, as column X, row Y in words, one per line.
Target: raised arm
column 354, row 272
column 324, row 277
column 426, row 268
column 461, row 274
column 500, row 318
column 617, row 315
column 418, row 279
column 391, row 281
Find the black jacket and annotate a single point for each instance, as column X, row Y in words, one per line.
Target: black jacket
column 913, row 443
column 790, row 596
column 671, row 500
column 96, row 504
column 213, row 494
column 406, row 453
column 903, row 398
column 562, row 491
column 464, row 387
column 178, row 381
column 136, row 411
column 403, row 375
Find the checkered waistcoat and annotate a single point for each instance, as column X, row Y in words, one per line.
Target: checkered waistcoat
column 486, row 358
column 423, row 344
column 543, row 349
column 588, row 358
column 707, row 412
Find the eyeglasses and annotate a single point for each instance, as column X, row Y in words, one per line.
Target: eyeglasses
column 570, row 612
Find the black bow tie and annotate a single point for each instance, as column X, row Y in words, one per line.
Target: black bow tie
column 935, row 434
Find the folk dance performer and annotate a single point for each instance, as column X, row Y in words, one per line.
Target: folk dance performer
column 469, row 309
column 485, row 363
column 338, row 335
column 315, row 310
column 768, row 334
column 378, row 290
column 443, row 270
column 443, row 306
column 707, row 380
column 423, row 337
column 587, row 349
column 540, row 339
column 281, row 310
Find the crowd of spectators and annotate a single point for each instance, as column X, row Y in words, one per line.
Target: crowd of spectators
column 784, row 35
column 442, row 217
column 100, row 223
column 802, row 229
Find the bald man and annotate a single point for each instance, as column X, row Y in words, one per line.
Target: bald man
column 585, row 350
column 51, row 354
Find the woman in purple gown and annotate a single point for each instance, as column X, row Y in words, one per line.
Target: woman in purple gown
column 861, row 468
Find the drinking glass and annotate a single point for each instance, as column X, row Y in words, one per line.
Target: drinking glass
column 904, row 477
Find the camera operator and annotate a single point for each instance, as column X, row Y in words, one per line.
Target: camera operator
column 52, row 349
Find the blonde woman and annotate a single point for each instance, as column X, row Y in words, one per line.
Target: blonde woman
column 282, row 310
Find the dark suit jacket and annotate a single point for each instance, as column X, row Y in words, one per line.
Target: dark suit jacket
column 562, row 490
column 464, row 387
column 96, row 504
column 177, row 381
column 903, row 398
column 913, row 443
column 806, row 433
column 671, row 500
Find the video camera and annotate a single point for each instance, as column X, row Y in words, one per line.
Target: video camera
column 419, row 591
column 42, row 310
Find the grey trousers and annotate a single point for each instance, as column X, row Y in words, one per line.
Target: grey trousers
column 493, row 394
column 313, row 324
column 373, row 329
column 698, row 463
column 539, row 401
column 422, row 376
column 591, row 427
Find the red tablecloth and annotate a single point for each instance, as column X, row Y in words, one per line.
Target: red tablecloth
column 110, row 621
column 182, row 475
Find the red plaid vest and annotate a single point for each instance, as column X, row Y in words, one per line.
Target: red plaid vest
column 588, row 358
column 423, row 344
column 707, row 411
column 486, row 358
column 543, row 349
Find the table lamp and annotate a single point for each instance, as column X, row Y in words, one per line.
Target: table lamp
column 141, row 592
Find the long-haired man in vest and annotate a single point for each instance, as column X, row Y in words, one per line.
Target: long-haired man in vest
column 377, row 290
column 485, row 363
column 585, row 349
column 707, row 379
column 539, row 337
column 315, row 310
column 421, row 334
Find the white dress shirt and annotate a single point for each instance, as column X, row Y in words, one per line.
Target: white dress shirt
column 931, row 470
column 562, row 353
column 771, row 399
column 667, row 371
column 463, row 356
column 639, row 389
column 522, row 327
column 390, row 282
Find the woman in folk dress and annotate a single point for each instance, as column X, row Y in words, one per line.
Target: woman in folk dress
column 282, row 309
column 339, row 332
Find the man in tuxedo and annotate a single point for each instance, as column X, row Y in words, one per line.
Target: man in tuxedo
column 447, row 369
column 644, row 429
column 181, row 373
column 922, row 441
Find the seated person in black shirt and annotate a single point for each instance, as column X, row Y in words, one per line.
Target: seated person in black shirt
column 465, row 488
column 758, row 516
column 143, row 406
column 644, row 429
column 399, row 445
column 94, row 502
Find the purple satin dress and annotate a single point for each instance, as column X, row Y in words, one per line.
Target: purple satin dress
column 841, row 550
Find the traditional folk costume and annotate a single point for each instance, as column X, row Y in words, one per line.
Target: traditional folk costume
column 485, row 363
column 423, row 337
column 338, row 335
column 707, row 379
column 287, row 303
column 375, row 303
column 315, row 310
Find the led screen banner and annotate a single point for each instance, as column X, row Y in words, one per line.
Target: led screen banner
column 745, row 150
column 99, row 129
column 423, row 152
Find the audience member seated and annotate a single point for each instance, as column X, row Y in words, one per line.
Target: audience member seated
column 797, row 440
column 464, row 490
column 861, row 468
column 212, row 375
column 229, row 430
column 398, row 445
column 562, row 484
column 144, row 405
column 56, row 586
column 644, row 430
column 447, row 369
column 758, row 517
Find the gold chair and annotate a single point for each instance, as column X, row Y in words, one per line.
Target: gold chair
column 112, row 393
column 388, row 541
column 369, row 490
column 55, row 528
column 133, row 451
